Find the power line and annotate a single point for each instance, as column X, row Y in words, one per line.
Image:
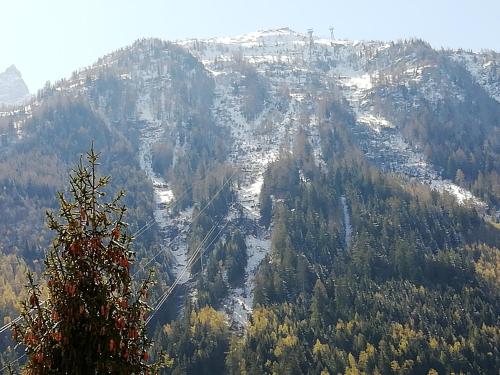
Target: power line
column 151, row 222
column 192, row 221
column 144, row 229
column 9, row 325
column 190, row 261
column 171, row 289
column 12, row 362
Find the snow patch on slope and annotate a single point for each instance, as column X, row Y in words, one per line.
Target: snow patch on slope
column 251, row 153
column 484, row 68
column 173, row 229
column 382, row 142
column 347, row 222
column 240, row 302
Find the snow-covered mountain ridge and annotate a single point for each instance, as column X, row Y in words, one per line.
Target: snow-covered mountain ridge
column 357, row 68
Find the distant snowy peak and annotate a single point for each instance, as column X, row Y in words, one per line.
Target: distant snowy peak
column 13, row 89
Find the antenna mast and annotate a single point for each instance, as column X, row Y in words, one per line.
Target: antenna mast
column 311, row 43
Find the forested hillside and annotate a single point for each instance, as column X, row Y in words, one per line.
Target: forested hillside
column 310, row 206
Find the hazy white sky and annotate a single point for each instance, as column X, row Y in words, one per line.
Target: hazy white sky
column 48, row 39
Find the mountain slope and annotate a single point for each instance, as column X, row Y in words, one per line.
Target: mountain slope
column 263, row 166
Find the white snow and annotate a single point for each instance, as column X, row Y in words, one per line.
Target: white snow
column 383, row 141
column 240, row 301
column 359, row 82
column 462, row 195
column 176, row 247
column 484, row 68
column 251, row 153
column 347, row 222
column 374, row 122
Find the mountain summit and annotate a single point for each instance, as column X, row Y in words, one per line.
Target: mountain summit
column 13, row 89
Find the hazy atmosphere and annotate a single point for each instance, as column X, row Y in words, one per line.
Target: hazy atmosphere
column 47, row 40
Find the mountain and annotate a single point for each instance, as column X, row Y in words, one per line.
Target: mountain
column 337, row 200
column 13, row 90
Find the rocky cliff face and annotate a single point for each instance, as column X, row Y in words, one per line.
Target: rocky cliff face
column 13, row 89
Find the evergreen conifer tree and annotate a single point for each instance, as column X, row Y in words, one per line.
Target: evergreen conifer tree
column 91, row 320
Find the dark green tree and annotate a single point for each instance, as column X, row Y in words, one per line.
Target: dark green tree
column 236, row 258
column 266, row 208
column 319, row 306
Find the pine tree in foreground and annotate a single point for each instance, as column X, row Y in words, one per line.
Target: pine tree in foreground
column 91, row 321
